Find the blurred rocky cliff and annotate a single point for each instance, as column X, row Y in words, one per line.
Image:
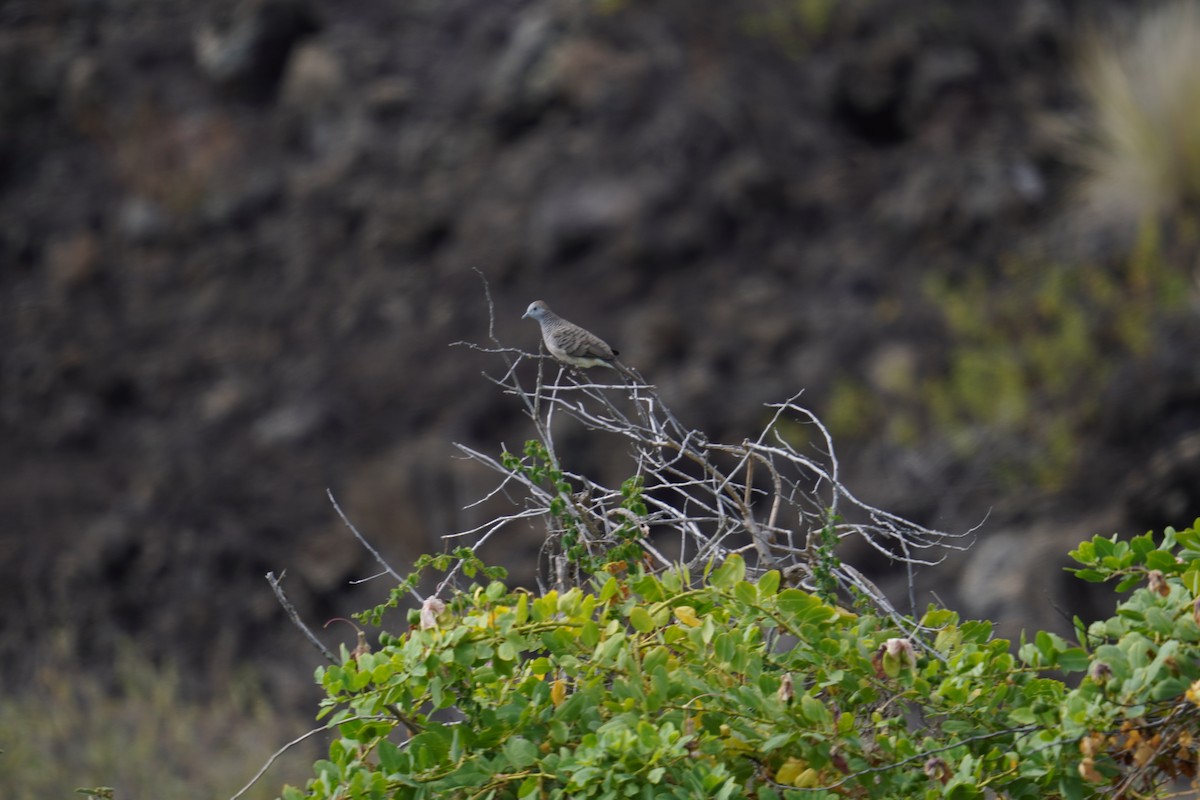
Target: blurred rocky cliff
column 238, row 238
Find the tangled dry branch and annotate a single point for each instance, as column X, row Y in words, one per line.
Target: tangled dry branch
column 698, row 500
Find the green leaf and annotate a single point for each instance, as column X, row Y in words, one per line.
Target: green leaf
column 1045, row 689
column 609, row 590
column 728, row 790
column 802, row 607
column 814, row 710
column 1128, row 583
column 1085, row 553
column 558, row 641
column 977, row 631
column 391, row 758
column 520, row 752
column 640, row 619
column 1189, row 538
column 429, row 748
column 1074, row 659
column 768, row 583
column 544, row 607
column 1168, row 688
column 775, row 742
column 1159, row 621
column 962, row 791
column 583, row 776
column 569, row 601
column 1104, row 547
column 1162, row 560
column 589, row 633
column 650, row 588
column 938, row 617
column 1070, row 786
column 435, row 692
column 608, row 649
column 746, row 593
column 660, row 688
column 1080, row 628
column 655, row 657
column 1191, row 579
column 1115, row 658
column 729, row 573
column 1142, row 545
column 724, row 647
column 1090, row 575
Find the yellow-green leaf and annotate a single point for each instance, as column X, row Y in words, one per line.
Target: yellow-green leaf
column 641, row 620
column 768, row 584
column 789, row 771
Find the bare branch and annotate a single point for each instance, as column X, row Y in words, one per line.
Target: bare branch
column 362, row 539
column 275, row 756
column 761, row 497
column 276, row 585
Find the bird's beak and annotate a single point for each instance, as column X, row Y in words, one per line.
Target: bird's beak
column 525, row 315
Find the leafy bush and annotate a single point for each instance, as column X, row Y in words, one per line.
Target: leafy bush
column 673, row 685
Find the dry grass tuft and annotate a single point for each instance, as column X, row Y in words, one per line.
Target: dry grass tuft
column 1141, row 145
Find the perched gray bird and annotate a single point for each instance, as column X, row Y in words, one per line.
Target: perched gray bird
column 571, row 344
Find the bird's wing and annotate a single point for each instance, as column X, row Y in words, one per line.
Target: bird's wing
column 589, row 346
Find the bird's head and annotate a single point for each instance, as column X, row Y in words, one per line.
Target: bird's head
column 537, row 310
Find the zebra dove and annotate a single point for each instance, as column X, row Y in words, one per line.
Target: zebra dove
column 569, row 343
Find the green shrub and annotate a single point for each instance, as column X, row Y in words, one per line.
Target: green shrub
column 712, row 685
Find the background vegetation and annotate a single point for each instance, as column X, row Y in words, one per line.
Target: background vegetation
column 143, row 729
